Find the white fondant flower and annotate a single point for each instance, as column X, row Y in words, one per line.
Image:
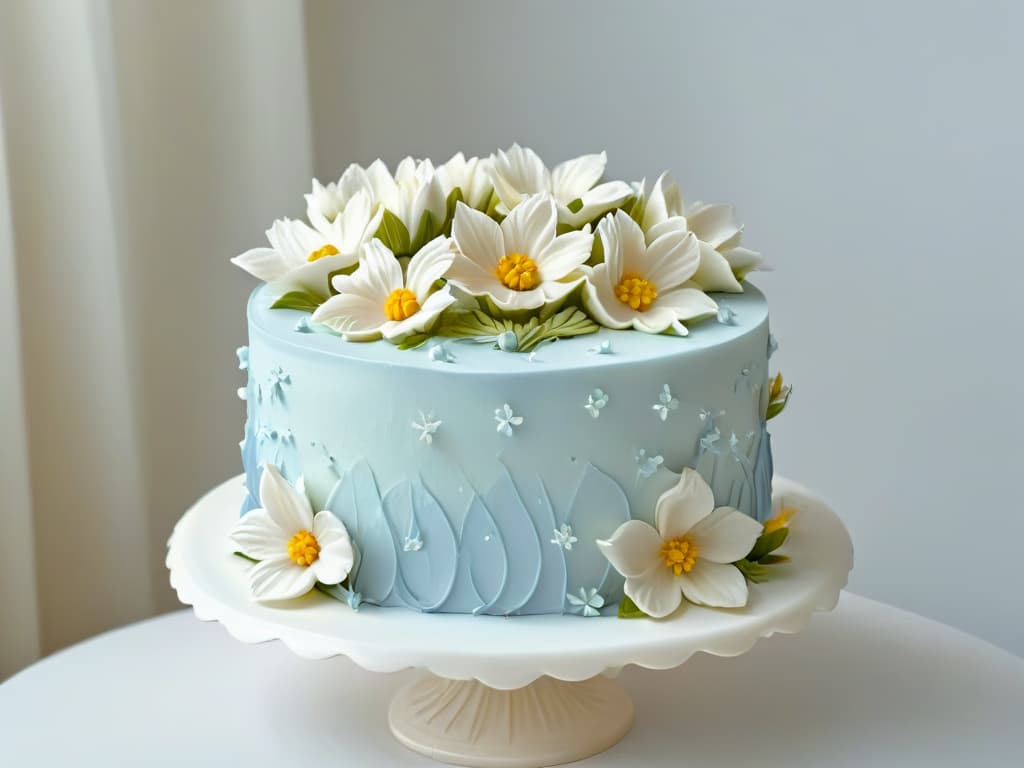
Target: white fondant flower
column 427, row 426
column 666, row 403
column 588, row 602
column 301, row 257
column 507, row 420
column 521, row 263
column 378, row 300
column 564, row 538
column 325, row 204
column 596, row 400
column 519, row 173
column 643, row 285
column 472, row 176
column 413, row 192
column 721, row 258
column 690, row 553
column 295, row 548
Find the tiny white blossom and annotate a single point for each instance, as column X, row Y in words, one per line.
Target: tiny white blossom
column 665, row 403
column 647, row 465
column 412, row 544
column 563, row 537
column 427, row 426
column 596, row 400
column 506, row 419
column 587, row 603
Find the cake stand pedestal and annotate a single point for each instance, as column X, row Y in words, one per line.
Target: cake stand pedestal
column 526, row 691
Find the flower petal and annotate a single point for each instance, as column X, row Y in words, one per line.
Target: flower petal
column 714, row 584
column 380, row 269
column 294, row 240
column 257, row 535
column 743, row 260
column 358, row 317
column 670, row 260
column 633, row 548
column 428, row 266
column 569, row 180
column 683, row 506
column 337, row 555
column 686, row 303
column 435, row 304
column 264, row 264
column 600, row 300
column 478, row 237
column 725, row 536
column 518, row 172
column 287, row 507
column 655, row 592
column 714, row 272
column 664, row 202
column 564, row 254
column 596, row 201
column 714, row 224
column 530, row 226
column 280, row 579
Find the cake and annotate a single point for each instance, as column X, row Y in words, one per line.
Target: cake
column 489, row 387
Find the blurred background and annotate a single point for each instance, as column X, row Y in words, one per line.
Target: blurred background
column 873, row 150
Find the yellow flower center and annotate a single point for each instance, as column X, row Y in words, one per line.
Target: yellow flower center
column 401, row 304
column 679, row 555
column 518, row 272
column 327, row 250
column 637, row 292
column 303, row 548
column 781, row 520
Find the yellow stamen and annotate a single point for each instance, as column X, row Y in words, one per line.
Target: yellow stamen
column 679, row 555
column 518, row 272
column 781, row 520
column 636, row 291
column 401, row 304
column 776, row 387
column 303, row 548
column 327, row 250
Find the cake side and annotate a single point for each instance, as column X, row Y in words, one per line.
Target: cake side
column 454, row 505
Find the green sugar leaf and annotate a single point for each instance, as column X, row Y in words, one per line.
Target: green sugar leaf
column 306, row 301
column 394, row 234
column 571, row 321
column 427, row 231
column 628, row 610
column 768, row 542
column 454, row 197
column 753, row 572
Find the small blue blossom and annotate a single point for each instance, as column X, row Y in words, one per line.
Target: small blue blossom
column 726, row 315
column 596, row 400
column 277, row 379
column 647, row 465
column 441, row 353
column 587, row 603
column 665, row 403
column 564, row 538
column 708, row 440
column 427, row 426
column 506, row 419
column 604, row 348
column 243, row 358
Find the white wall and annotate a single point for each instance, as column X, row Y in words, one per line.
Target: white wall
column 874, row 150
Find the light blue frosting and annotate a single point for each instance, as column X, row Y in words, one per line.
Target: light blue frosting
column 467, row 522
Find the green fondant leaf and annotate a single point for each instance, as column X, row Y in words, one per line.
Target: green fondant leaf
column 628, row 610
column 571, row 321
column 778, row 406
column 575, row 205
column 427, row 231
column 414, row 341
column 343, row 271
column 767, row 542
column 245, row 557
column 454, row 197
column 307, row 301
column 753, row 572
column 394, row 234
column 492, row 207
column 635, row 207
column 774, row 559
column 472, row 322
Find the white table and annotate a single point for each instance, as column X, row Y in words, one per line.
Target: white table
column 866, row 685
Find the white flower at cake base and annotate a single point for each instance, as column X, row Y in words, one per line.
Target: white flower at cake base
column 295, row 548
column 378, row 300
column 427, row 426
column 588, row 602
column 689, row 554
column 507, row 420
column 518, row 264
column 666, row 403
column 645, row 285
column 519, row 173
column 472, row 177
column 301, row 257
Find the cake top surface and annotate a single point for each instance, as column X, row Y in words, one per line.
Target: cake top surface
column 504, row 251
column 746, row 312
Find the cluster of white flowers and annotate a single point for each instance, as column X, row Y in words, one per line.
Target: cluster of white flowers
column 387, row 254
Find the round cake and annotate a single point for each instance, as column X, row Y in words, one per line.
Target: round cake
column 546, row 399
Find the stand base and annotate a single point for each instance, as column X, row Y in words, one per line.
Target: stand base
column 549, row 722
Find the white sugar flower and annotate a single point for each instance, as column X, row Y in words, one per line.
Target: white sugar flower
column 564, row 538
column 519, row 173
column 666, row 403
column 301, row 258
column 295, row 548
column 596, row 400
column 588, row 602
column 414, row 192
column 427, row 426
column 326, row 203
column 472, row 176
column 643, row 285
column 721, row 258
column 521, row 263
column 378, row 300
column 506, row 419
column 690, row 553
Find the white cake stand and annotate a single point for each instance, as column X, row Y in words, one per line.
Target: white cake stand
column 524, row 691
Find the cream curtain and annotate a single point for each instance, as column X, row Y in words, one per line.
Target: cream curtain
column 141, row 145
